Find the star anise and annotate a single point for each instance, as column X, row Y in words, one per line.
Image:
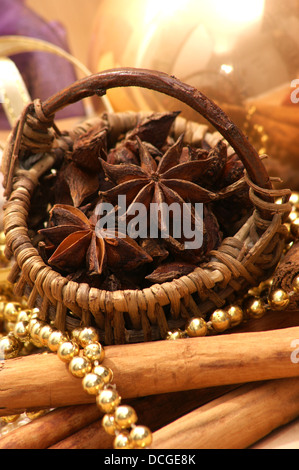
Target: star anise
column 77, row 244
column 168, row 181
column 153, row 130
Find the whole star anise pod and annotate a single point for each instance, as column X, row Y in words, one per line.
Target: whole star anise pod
column 168, row 181
column 78, row 244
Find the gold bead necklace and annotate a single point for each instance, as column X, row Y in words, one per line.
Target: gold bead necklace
column 22, row 331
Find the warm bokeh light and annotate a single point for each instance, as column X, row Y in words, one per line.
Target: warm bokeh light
column 236, row 11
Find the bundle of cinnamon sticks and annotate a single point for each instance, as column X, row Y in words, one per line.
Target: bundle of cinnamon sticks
column 227, row 391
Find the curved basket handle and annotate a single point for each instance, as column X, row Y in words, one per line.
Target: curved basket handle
column 99, row 83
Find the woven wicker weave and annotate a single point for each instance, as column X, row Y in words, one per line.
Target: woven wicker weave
column 241, row 261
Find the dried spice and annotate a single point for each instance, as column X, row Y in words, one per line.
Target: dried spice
column 78, row 245
column 145, row 165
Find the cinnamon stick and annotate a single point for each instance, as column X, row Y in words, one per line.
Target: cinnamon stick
column 50, row 428
column 286, row 272
column 143, row 369
column 236, row 420
column 154, row 412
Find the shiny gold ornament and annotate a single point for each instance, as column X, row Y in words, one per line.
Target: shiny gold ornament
column 44, row 334
column 35, row 414
column 80, row 366
column 125, row 416
column 294, row 199
column 197, row 327
column 107, row 400
column 174, row 335
column 108, row 423
column 67, row 350
column 9, row 347
column 21, row 331
column 104, row 372
column 254, row 307
column 55, row 339
column 235, row 314
column 24, row 315
column 220, row 320
column 11, row 311
column 4, row 261
column 2, row 238
column 292, row 216
column 9, row 326
column 3, row 303
column 92, row 383
column 141, row 436
column 295, row 284
column 123, row 441
column 94, row 352
column 278, row 299
column 34, row 329
column 294, row 228
column 75, row 334
column 88, row 335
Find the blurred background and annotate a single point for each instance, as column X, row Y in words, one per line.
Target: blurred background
column 244, row 55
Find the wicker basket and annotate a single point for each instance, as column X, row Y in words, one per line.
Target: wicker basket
column 241, row 261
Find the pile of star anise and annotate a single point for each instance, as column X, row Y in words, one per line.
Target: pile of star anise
column 146, row 166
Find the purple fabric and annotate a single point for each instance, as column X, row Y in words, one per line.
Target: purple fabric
column 44, row 73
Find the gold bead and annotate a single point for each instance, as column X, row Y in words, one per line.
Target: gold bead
column 11, row 311
column 94, row 352
column 2, row 238
column 104, row 372
column 55, row 339
column 66, row 351
column 220, row 320
column 34, row 328
column 79, row 366
column 294, row 228
column 108, row 423
column 173, row 335
column 9, row 419
column 24, row 315
column 278, row 299
column 4, row 261
column 9, row 326
column 292, row 216
column 34, row 312
column 254, row 307
column 141, row 436
column 107, row 400
column 75, row 334
column 125, row 416
column 92, row 383
column 235, row 314
column 2, row 307
column 294, row 198
column 197, row 327
column 35, row 414
column 123, row 441
column 9, row 347
column 44, row 334
column 295, row 284
column 21, row 331
column 88, row 335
